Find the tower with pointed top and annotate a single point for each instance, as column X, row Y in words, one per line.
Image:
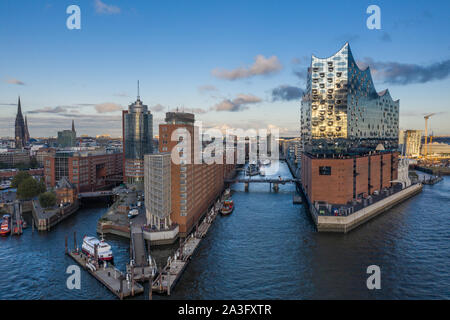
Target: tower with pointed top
column 20, row 134
column 73, row 125
column 27, row 133
column 137, row 127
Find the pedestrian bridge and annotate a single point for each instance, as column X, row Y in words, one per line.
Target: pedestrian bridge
column 272, row 182
column 261, row 180
column 96, row 194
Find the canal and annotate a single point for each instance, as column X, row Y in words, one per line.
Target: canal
column 267, row 249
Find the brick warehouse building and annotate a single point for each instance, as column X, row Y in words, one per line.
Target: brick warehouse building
column 339, row 181
column 86, row 170
column 180, row 193
column 349, row 133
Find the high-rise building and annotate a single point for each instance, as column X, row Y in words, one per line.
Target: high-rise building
column 20, row 131
column 191, row 185
column 349, row 133
column 137, row 127
column 67, row 138
column 411, row 143
column 158, row 189
column 342, row 111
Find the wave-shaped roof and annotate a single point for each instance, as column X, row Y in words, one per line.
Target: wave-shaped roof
column 345, row 50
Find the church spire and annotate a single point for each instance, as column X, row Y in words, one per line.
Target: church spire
column 27, row 133
column 20, row 136
column 73, row 125
column 19, row 108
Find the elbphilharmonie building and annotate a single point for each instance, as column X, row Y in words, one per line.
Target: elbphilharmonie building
column 341, row 110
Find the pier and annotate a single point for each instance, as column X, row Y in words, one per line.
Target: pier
column 16, row 219
column 141, row 268
column 171, row 273
column 123, row 286
column 432, row 180
column 348, row 222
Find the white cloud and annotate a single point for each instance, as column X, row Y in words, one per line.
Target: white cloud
column 237, row 104
column 157, row 108
column 207, row 88
column 15, row 81
column 261, row 66
column 108, row 107
column 103, row 8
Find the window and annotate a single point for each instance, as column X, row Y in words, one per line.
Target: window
column 325, row 171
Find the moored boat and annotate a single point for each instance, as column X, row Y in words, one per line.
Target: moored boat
column 104, row 251
column 5, row 185
column 227, row 207
column 5, row 228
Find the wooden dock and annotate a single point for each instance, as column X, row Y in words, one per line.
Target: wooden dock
column 123, row 286
column 16, row 219
column 171, row 273
column 142, row 266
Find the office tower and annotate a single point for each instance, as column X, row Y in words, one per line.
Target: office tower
column 137, row 127
column 412, row 143
column 20, row 132
column 67, row 138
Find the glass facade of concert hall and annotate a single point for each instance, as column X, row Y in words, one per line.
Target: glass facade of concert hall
column 341, row 112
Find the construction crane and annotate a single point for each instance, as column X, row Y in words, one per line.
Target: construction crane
column 426, row 132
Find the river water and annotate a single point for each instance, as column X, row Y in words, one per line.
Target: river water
column 267, row 249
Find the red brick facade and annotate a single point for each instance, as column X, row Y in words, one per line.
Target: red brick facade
column 86, row 172
column 197, row 187
column 339, row 181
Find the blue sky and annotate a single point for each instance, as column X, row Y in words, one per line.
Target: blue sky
column 202, row 55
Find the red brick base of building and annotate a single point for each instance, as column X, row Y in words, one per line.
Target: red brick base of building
column 342, row 179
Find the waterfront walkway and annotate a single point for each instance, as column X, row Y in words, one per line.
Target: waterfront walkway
column 172, row 272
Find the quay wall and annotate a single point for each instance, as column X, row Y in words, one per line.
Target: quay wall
column 348, row 223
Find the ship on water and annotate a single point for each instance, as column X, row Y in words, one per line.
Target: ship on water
column 5, row 228
column 227, row 207
column 104, row 251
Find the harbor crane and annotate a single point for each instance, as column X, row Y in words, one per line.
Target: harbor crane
column 426, row 133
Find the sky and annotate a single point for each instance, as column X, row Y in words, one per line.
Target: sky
column 238, row 64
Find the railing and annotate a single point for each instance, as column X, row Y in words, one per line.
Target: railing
column 325, row 209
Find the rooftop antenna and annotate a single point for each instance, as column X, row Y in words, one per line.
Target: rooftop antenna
column 138, row 92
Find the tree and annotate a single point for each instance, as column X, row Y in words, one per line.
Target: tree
column 47, row 199
column 33, row 163
column 28, row 188
column 42, row 187
column 18, row 178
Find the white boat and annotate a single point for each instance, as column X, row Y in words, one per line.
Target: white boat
column 104, row 251
column 266, row 162
column 5, row 185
